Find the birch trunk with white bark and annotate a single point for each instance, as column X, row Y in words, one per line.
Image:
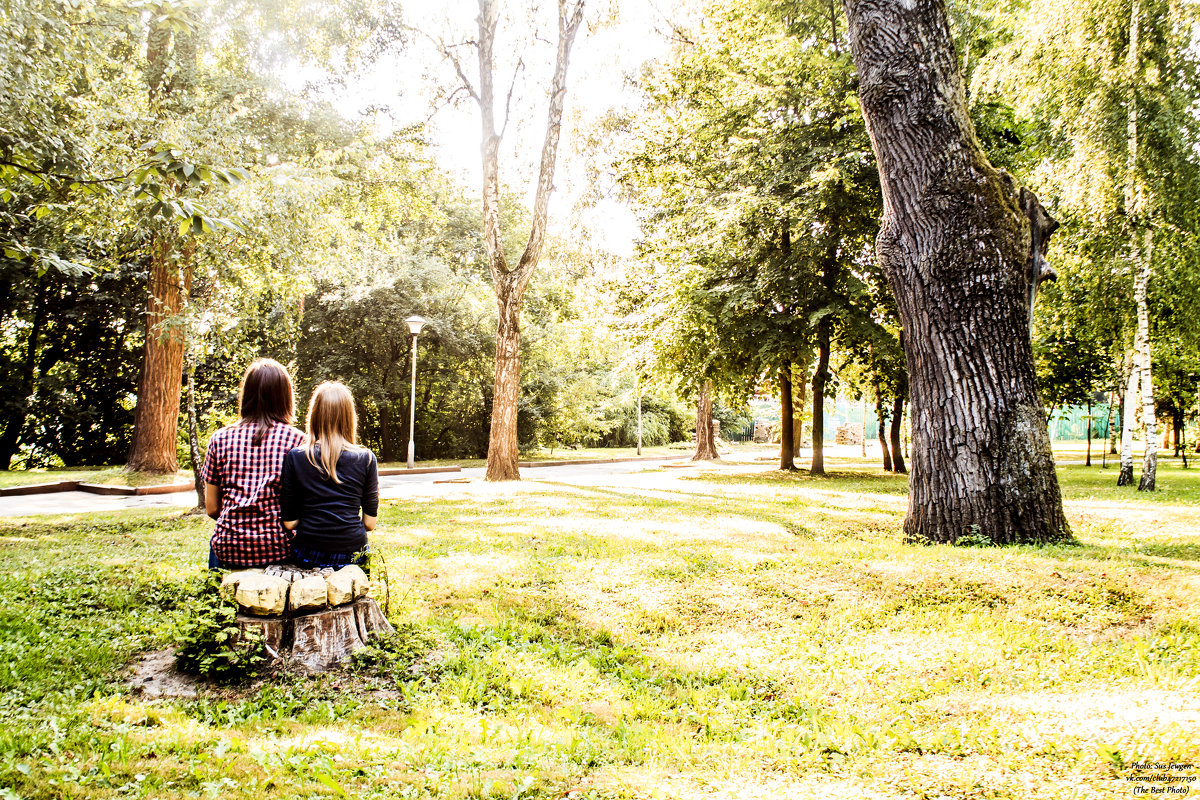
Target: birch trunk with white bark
column 1128, row 414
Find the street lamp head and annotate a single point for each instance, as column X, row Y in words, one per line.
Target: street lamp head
column 415, row 324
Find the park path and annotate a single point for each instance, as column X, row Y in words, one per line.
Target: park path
column 391, row 487
column 648, row 475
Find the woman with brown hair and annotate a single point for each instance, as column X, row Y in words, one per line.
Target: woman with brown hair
column 242, row 467
column 330, row 486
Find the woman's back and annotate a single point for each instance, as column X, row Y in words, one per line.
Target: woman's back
column 249, row 531
column 330, row 513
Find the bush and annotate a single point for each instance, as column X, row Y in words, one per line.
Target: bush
column 210, row 643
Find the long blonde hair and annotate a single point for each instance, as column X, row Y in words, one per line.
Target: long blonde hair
column 331, row 423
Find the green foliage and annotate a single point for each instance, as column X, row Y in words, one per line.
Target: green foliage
column 208, row 639
column 760, row 201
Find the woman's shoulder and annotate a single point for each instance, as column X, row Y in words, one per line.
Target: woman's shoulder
column 287, row 434
column 223, row 433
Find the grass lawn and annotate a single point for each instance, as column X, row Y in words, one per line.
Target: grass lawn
column 116, row 475
column 698, row 632
column 112, row 476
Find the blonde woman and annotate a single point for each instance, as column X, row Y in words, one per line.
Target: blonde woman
column 330, row 484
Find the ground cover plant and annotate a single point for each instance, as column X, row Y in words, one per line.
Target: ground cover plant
column 708, row 631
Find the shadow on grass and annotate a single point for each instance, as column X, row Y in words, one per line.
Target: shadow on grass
column 846, row 481
column 1189, row 551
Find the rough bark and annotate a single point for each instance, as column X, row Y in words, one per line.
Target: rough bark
column 897, row 445
column 956, row 245
column 321, row 640
column 706, row 444
column 171, row 59
column 510, row 284
column 787, row 442
column 820, row 377
column 881, row 416
column 503, row 454
column 156, row 416
column 1128, row 403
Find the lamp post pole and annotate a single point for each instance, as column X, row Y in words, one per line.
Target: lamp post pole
column 415, row 324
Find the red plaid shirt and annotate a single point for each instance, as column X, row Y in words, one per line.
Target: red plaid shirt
column 249, row 530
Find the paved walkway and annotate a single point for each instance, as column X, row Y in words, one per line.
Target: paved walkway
column 390, row 487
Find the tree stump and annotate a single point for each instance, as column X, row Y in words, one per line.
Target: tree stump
column 312, row 640
column 272, row 630
column 322, row 640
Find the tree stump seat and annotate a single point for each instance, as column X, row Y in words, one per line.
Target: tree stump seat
column 313, row 619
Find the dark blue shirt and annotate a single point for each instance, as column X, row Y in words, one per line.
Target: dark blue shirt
column 330, row 513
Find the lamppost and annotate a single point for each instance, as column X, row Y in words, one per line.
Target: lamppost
column 415, row 324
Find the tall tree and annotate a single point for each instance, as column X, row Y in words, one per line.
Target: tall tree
column 510, row 282
column 754, row 173
column 957, row 246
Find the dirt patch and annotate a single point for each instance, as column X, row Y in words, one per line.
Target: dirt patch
column 154, row 675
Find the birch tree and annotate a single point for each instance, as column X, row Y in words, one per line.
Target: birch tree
column 1110, row 94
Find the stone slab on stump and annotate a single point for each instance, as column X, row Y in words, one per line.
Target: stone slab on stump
column 308, row 594
column 258, row 593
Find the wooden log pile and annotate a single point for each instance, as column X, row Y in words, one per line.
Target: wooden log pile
column 312, row 619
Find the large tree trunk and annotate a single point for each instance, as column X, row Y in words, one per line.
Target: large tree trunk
column 503, row 455
column 706, row 444
column 171, row 59
column 510, row 284
column 1128, row 404
column 156, row 417
column 818, row 400
column 787, row 442
column 961, row 258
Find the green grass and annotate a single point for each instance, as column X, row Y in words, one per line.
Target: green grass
column 733, row 631
column 112, row 476
column 116, row 475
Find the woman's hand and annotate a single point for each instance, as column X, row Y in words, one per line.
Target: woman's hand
column 291, row 524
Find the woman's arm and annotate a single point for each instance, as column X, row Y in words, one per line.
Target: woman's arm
column 290, row 503
column 212, row 500
column 370, row 498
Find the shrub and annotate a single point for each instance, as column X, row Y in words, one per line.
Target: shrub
column 209, row 642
